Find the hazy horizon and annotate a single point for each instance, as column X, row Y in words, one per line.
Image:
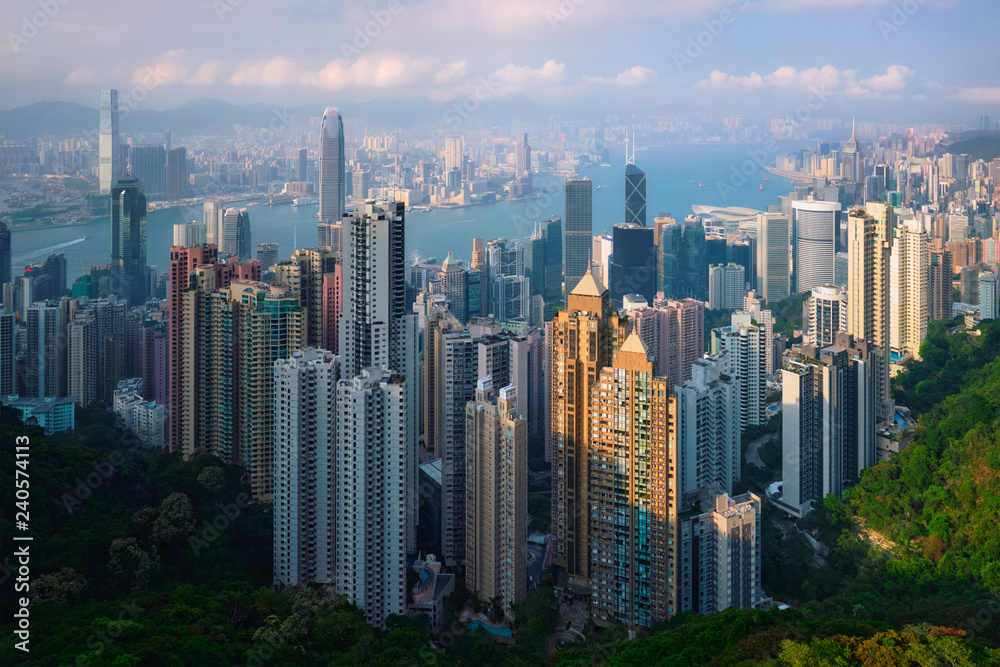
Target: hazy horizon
column 876, row 59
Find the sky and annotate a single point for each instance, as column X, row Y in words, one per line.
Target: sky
column 933, row 60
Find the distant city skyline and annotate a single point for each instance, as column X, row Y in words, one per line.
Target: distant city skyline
column 705, row 54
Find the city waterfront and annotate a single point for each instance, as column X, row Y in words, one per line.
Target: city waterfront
column 677, row 178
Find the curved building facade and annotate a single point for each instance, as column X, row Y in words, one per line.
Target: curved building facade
column 815, row 226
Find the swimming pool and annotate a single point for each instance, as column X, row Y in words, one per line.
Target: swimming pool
column 500, row 632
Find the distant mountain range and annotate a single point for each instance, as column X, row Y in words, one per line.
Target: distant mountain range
column 215, row 117
column 979, row 146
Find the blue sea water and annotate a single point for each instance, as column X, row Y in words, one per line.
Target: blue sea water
column 673, row 177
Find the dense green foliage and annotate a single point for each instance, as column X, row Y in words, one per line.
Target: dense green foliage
column 941, row 496
column 910, row 575
column 787, row 314
column 949, row 363
column 782, row 638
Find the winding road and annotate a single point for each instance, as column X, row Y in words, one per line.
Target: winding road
column 753, row 455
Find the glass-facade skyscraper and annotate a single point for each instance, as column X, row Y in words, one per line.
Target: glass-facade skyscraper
column 579, row 229
column 635, row 195
column 331, row 167
column 633, row 263
column 128, row 239
column 109, row 142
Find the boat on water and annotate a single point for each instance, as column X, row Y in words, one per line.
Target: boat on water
column 304, row 201
column 766, row 178
column 761, row 188
column 598, row 187
column 700, row 184
column 254, row 203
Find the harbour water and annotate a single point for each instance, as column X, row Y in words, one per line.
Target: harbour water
column 673, row 177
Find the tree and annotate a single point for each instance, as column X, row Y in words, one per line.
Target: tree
column 130, row 565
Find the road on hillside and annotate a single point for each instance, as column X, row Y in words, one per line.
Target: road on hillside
column 753, row 456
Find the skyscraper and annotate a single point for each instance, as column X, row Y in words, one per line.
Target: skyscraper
column 909, row 265
column 302, row 167
column 109, row 143
column 496, row 496
column 584, row 339
column 522, row 156
column 551, row 231
column 827, row 315
column 236, row 233
column 248, row 326
column 194, row 273
column 8, row 382
column 635, row 195
column 675, row 332
column 149, row 165
column 772, row 256
column 632, row 495
column 267, row 255
column 579, row 229
column 726, row 287
column 708, row 427
column 305, row 468
column 509, row 297
column 828, row 423
column 6, row 274
column 869, row 244
column 815, row 228
column 695, row 258
column 376, row 331
column 212, row 217
column 633, row 262
column 749, row 348
column 176, row 175
column 452, row 154
column 128, row 239
column 331, row 167
column 940, row 276
column 672, row 261
column 43, row 359
column 375, row 493
column 455, row 286
column 81, row 358
column 989, row 296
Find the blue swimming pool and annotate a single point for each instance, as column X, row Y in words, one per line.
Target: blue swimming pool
column 500, row 632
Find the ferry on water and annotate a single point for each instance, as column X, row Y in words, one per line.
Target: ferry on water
column 304, row 201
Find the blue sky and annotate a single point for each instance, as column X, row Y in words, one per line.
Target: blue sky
column 934, row 60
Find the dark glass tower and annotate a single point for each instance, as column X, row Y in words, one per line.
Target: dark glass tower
column 672, row 259
column 5, row 266
column 579, row 229
column 551, row 230
column 633, row 264
column 128, row 239
column 696, row 275
column 635, row 195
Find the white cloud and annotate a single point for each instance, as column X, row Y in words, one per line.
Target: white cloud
column 718, row 79
column 894, row 80
column 633, row 76
column 514, row 75
column 370, row 71
column 207, row 74
column 451, row 73
column 982, row 95
column 165, row 70
column 827, row 79
column 277, row 71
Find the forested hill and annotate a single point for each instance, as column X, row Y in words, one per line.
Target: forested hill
column 941, row 496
